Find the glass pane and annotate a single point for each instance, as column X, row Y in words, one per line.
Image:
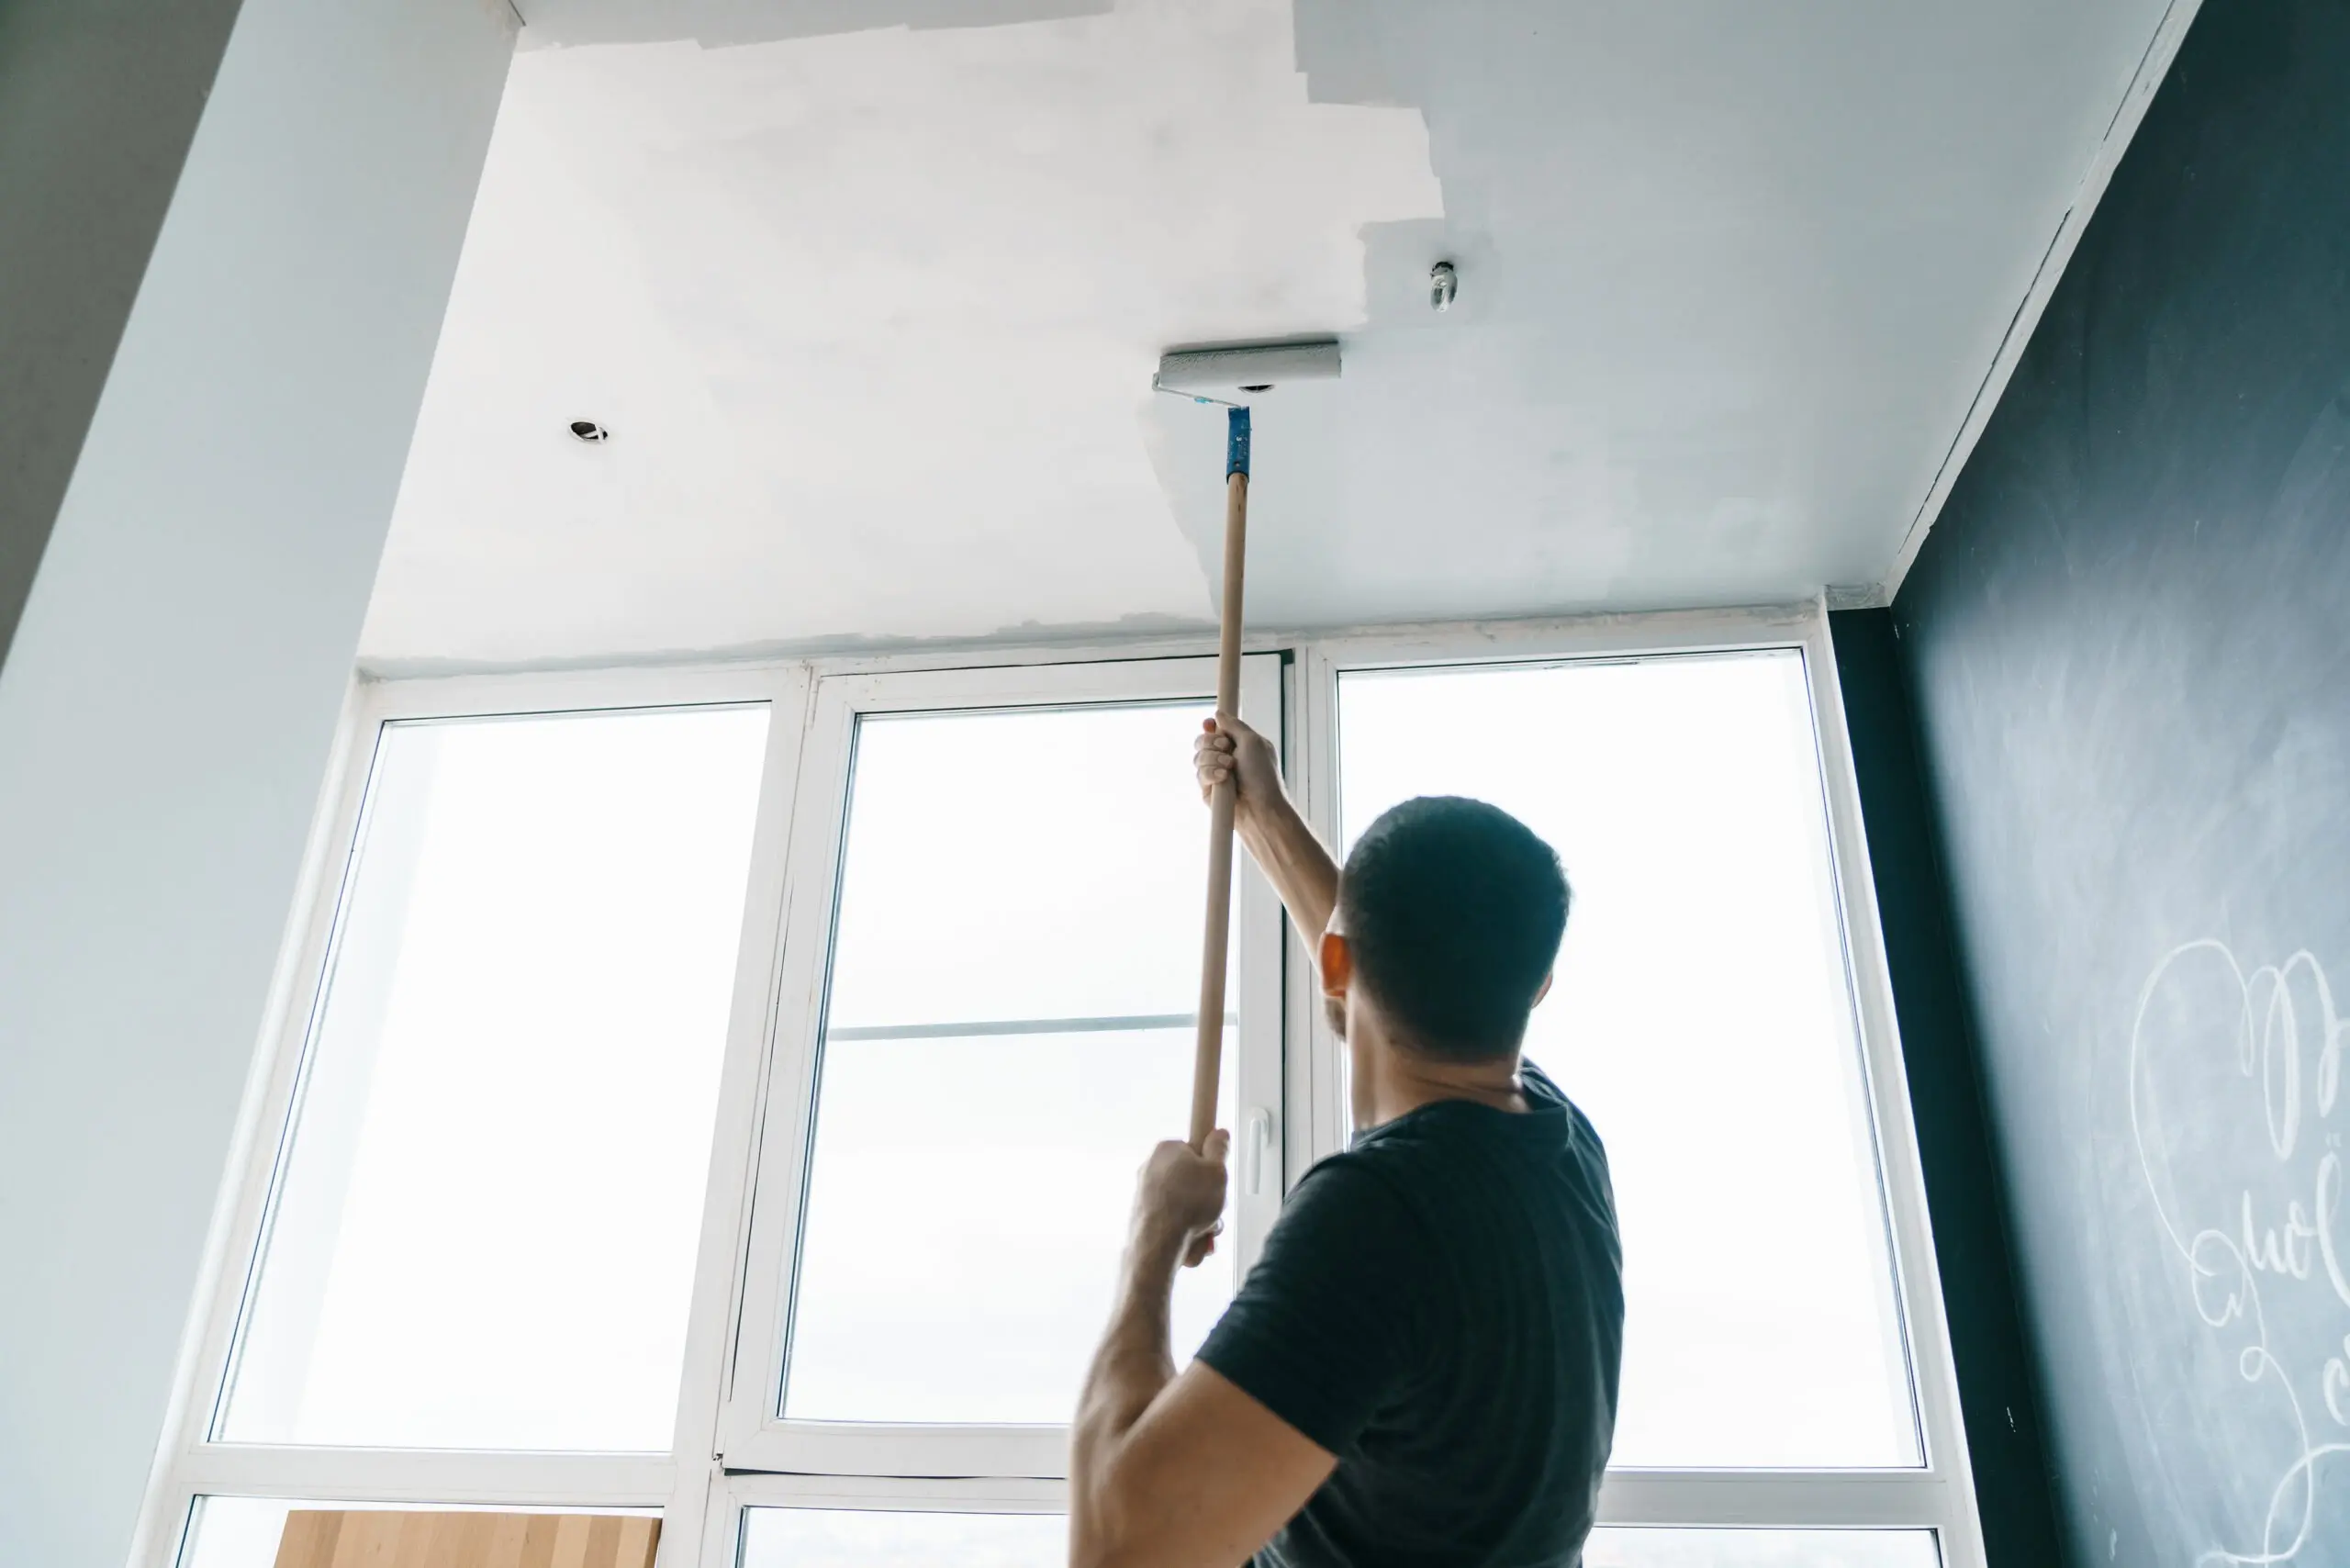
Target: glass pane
column 1701, row 1016
column 837, row 1537
column 235, row 1532
column 244, row 1532
column 1022, row 865
column 1015, row 962
column 486, row 1234
column 1761, row 1548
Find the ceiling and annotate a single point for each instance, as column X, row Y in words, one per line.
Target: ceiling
column 869, row 292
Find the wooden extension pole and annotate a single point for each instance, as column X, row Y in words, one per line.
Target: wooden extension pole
column 1207, row 1062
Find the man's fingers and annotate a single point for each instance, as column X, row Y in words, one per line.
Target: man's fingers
column 1186, row 1186
column 1215, row 756
column 1213, row 761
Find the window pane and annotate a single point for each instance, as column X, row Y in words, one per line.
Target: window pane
column 1022, row 865
column 1701, row 1016
column 1016, row 958
column 235, row 1532
column 1761, row 1548
column 244, row 1532
column 837, row 1537
column 485, row 1233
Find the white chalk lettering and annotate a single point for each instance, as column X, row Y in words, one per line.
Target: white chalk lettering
column 2284, row 1022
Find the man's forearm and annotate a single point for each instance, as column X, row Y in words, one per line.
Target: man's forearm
column 1133, row 1365
column 1294, row 861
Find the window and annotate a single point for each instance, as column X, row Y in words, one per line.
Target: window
column 1655, row 1548
column 716, row 1094
column 1009, row 1022
column 1724, row 1023
column 496, row 1174
column 846, row 1538
column 990, row 1022
column 1702, row 1017
column 245, row 1532
column 469, row 1262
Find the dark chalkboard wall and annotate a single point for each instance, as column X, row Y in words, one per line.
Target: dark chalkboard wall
column 2128, row 640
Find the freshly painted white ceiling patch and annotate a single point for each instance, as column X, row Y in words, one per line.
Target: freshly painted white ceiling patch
column 871, row 314
column 871, row 318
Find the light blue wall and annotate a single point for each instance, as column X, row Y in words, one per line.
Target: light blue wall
column 168, row 702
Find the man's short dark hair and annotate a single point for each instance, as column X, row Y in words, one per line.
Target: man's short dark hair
column 1454, row 910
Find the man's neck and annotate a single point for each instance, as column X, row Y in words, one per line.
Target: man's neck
column 1399, row 1080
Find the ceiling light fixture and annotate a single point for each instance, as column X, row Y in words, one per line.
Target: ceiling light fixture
column 1443, row 285
column 588, row 430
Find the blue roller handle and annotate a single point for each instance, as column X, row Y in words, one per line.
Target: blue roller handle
column 1236, row 448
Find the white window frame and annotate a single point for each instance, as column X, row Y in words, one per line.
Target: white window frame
column 753, row 1436
column 192, row 1463
column 1939, row 1494
column 730, row 1452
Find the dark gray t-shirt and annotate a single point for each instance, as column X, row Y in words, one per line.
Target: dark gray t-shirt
column 1442, row 1307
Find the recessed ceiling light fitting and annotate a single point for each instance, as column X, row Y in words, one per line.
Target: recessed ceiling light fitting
column 588, row 430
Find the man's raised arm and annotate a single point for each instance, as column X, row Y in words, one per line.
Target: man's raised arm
column 1284, row 848
column 1168, row 1471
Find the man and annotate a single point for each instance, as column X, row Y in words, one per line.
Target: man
column 1422, row 1366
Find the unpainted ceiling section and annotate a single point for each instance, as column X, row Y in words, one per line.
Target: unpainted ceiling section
column 869, row 296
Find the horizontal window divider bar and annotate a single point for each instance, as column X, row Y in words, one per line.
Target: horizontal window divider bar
column 889, row 1450
column 1789, row 1499
column 428, row 1476
column 1793, row 1500
column 1111, row 1025
column 771, row 1489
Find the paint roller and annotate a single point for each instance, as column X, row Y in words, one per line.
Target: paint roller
column 1234, row 377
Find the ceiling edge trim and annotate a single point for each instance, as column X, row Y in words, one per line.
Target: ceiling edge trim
column 1084, row 645
column 2153, row 66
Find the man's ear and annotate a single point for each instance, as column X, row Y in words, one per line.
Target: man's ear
column 1544, row 991
column 1338, row 964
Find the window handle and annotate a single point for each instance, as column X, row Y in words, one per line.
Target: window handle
column 1256, row 1152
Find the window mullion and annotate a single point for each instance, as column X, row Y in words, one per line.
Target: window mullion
column 726, row 1208
column 1917, row 1271
column 1257, row 1163
column 788, row 1024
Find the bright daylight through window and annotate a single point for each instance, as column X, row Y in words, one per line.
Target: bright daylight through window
column 937, row 930
column 1014, row 972
column 485, row 1234
column 1703, row 1018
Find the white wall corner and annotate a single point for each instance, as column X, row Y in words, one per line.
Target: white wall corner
column 168, row 704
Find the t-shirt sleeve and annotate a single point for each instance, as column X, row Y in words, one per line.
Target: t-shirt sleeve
column 1321, row 1330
